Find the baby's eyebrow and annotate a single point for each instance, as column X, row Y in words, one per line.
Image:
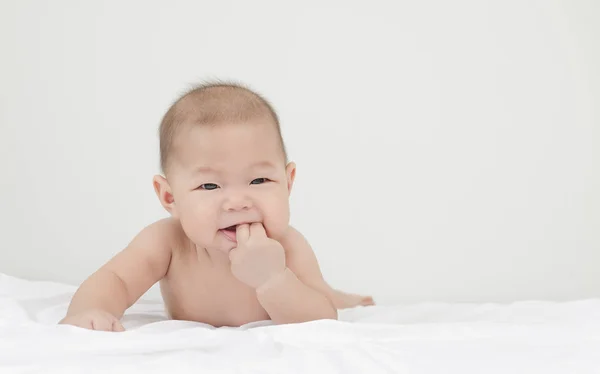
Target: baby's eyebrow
column 209, row 170
column 263, row 164
column 205, row 169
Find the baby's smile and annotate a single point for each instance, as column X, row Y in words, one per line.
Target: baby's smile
column 230, row 235
column 230, row 231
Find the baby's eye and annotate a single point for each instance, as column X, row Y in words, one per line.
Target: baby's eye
column 208, row 186
column 259, row 181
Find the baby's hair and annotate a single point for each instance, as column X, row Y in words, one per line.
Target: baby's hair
column 213, row 103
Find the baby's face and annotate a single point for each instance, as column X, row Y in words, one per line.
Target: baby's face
column 230, row 174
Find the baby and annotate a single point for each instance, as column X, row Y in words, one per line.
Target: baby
column 227, row 255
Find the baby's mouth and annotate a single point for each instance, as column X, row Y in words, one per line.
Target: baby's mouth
column 230, row 232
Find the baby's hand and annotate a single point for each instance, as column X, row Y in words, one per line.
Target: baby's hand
column 342, row 300
column 94, row 319
column 257, row 257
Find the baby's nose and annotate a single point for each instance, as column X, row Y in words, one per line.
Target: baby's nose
column 235, row 203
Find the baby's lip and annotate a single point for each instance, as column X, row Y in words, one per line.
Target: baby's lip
column 236, row 224
column 231, row 235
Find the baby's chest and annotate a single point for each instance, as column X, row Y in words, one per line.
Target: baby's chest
column 210, row 296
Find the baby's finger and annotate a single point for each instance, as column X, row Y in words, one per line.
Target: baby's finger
column 242, row 233
column 85, row 324
column 367, row 301
column 117, row 326
column 258, row 230
column 232, row 254
column 101, row 324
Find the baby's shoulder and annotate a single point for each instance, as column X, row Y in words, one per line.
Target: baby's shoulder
column 292, row 233
column 165, row 233
column 293, row 240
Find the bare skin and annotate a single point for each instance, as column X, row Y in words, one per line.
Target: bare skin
column 194, row 285
column 227, row 256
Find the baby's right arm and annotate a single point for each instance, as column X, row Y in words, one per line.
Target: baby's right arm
column 101, row 300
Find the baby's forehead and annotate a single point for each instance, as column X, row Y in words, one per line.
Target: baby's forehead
column 210, row 166
column 227, row 133
column 230, row 144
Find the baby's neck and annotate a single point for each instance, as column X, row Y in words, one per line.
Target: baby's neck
column 217, row 257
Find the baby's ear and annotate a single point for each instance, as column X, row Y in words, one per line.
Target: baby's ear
column 163, row 191
column 290, row 172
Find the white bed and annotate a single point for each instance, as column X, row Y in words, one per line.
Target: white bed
column 524, row 337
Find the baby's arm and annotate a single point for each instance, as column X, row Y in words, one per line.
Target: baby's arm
column 300, row 293
column 302, row 260
column 103, row 298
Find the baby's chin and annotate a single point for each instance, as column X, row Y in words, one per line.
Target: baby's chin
column 218, row 247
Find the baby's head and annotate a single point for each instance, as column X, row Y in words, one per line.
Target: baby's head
column 224, row 163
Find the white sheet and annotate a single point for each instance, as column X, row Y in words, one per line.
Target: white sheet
column 525, row 337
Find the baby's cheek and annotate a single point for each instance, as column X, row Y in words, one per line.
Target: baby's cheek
column 276, row 223
column 191, row 229
column 195, row 224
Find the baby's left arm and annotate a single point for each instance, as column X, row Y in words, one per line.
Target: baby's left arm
column 300, row 293
column 302, row 260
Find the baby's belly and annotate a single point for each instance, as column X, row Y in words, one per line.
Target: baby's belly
column 215, row 299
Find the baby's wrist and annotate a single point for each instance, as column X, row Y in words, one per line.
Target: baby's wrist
column 275, row 280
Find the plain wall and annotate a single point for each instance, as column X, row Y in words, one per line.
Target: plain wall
column 446, row 151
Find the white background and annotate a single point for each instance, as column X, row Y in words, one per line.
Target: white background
column 446, row 150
